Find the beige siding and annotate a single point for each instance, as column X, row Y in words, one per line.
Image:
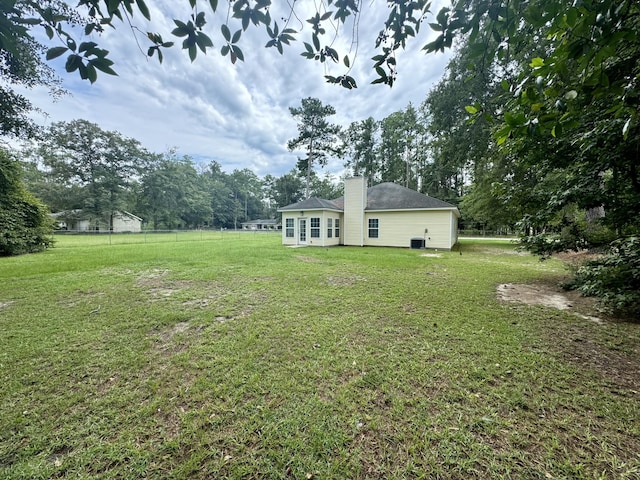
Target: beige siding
column 324, row 240
column 355, row 200
column 289, row 240
column 397, row 228
column 125, row 223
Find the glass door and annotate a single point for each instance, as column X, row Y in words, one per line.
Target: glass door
column 302, row 231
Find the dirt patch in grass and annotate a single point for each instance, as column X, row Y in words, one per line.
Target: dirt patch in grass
column 344, row 280
column 550, row 296
column 306, row 259
column 616, row 359
column 6, row 304
column 165, row 340
column 575, row 259
column 620, row 369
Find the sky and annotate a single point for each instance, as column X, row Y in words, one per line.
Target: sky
column 237, row 115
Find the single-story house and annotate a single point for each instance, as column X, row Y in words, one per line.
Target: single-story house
column 79, row 221
column 386, row 215
column 260, row 224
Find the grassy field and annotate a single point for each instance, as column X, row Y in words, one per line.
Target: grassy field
column 240, row 358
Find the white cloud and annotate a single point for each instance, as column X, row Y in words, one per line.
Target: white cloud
column 236, row 115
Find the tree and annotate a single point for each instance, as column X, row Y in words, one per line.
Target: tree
column 61, row 23
column 361, row 140
column 25, row 226
column 286, row 189
column 315, row 134
column 21, row 64
column 459, row 149
column 103, row 164
column 401, row 146
column 173, row 194
column 246, row 190
column 326, row 187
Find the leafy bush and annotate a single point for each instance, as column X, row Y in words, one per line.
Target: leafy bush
column 614, row 278
column 25, row 226
column 570, row 232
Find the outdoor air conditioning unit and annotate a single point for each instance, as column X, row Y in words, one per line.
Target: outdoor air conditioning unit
column 417, row 243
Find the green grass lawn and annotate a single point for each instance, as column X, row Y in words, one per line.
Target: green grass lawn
column 239, row 358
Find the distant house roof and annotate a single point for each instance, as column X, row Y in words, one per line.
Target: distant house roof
column 131, row 215
column 269, row 221
column 80, row 214
column 384, row 196
column 313, row 203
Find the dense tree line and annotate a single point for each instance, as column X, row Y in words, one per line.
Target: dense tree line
column 79, row 166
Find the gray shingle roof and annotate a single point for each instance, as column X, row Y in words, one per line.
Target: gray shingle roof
column 385, row 196
column 389, row 196
column 313, row 203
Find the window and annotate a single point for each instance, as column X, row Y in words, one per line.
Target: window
column 329, row 227
column 337, row 227
column 373, row 228
column 315, row 227
column 289, row 228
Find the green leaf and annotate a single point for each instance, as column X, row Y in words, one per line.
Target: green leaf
column 214, row 4
column 104, row 65
column 203, row 41
column 27, row 21
column 537, row 62
column 92, row 74
column 200, row 20
column 144, row 10
column 226, row 33
column 112, row 6
column 471, row 109
column 571, row 95
column 236, row 36
column 73, row 63
column 238, row 52
column 87, row 46
column 346, row 61
column 246, row 18
column 55, row 52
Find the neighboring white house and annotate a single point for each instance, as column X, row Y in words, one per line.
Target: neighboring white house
column 261, row 224
column 383, row 215
column 79, row 221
